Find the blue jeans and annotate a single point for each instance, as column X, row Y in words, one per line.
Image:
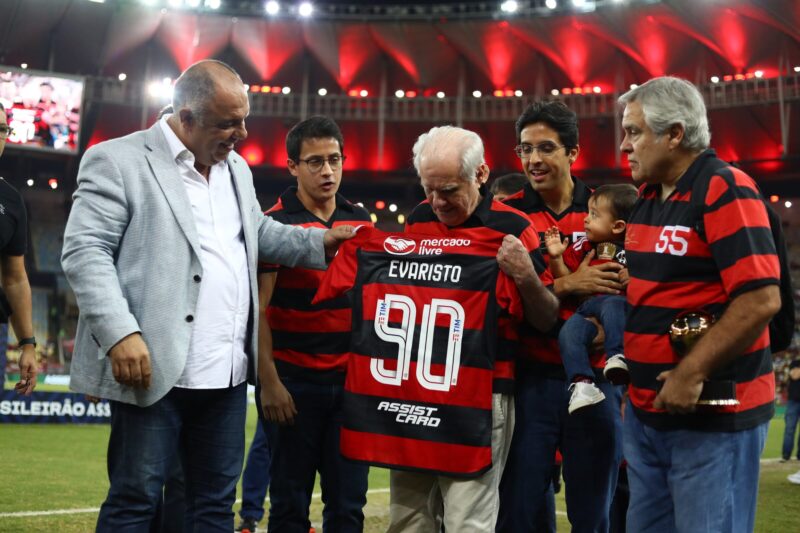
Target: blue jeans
column 590, row 443
column 577, row 333
column 255, row 478
column 205, row 429
column 171, row 512
column 309, row 446
column 684, row 480
column 791, row 417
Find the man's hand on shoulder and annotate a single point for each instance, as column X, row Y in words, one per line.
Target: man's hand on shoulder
column 603, row 278
column 130, row 361
column 334, row 237
column 27, row 371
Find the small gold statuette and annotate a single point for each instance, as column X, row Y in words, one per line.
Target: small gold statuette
column 606, row 251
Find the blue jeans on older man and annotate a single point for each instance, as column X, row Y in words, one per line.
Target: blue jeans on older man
column 684, row 480
column 255, row 478
column 205, row 428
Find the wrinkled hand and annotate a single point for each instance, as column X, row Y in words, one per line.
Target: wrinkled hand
column 603, row 278
column 27, row 371
column 277, row 403
column 334, row 237
column 552, row 239
column 515, row 260
column 130, row 362
column 679, row 393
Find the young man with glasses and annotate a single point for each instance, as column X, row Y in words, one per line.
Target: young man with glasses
column 16, row 290
column 302, row 364
column 589, row 440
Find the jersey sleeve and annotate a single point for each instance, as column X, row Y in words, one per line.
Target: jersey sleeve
column 738, row 233
column 575, row 253
column 341, row 273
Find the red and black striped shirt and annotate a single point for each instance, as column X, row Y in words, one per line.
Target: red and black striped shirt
column 309, row 342
column 673, row 268
column 491, row 222
column 418, row 393
column 539, row 351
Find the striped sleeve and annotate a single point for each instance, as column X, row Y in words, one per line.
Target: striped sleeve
column 738, row 234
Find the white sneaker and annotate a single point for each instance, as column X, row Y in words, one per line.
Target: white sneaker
column 584, row 394
column 794, row 478
column 616, row 370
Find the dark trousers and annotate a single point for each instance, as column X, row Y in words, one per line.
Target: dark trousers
column 790, row 418
column 577, row 333
column 309, row 446
column 205, row 429
column 255, row 478
column 590, row 441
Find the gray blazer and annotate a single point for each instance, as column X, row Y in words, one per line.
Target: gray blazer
column 131, row 254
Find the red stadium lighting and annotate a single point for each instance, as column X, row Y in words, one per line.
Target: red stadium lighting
column 498, row 93
column 566, row 90
column 253, row 154
column 508, row 92
column 727, row 77
column 739, row 76
column 380, row 204
column 255, row 88
column 265, row 89
column 352, row 92
column 749, row 75
column 411, row 94
column 53, row 183
column 276, row 90
column 577, row 90
column 774, row 198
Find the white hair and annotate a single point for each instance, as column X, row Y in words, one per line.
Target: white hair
column 667, row 101
column 444, row 137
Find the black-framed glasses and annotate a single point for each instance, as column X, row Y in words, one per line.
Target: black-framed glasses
column 315, row 164
column 547, row 148
column 6, row 132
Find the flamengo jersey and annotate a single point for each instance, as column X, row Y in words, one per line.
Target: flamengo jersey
column 418, row 393
column 491, row 222
column 540, row 352
column 309, row 342
column 673, row 269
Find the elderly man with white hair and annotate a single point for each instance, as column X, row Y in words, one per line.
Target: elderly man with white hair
column 699, row 411
column 452, row 170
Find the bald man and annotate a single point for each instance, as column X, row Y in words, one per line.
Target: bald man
column 161, row 248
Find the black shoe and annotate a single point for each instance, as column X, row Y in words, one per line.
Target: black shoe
column 247, row 525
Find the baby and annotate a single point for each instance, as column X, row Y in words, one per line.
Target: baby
column 609, row 208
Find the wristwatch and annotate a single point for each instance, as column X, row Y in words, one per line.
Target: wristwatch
column 27, row 340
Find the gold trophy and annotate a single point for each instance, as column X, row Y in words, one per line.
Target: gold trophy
column 684, row 332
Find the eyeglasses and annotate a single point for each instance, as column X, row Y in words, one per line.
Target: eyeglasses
column 315, row 164
column 547, row 148
column 6, row 132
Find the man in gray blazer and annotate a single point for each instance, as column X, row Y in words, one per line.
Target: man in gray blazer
column 161, row 248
